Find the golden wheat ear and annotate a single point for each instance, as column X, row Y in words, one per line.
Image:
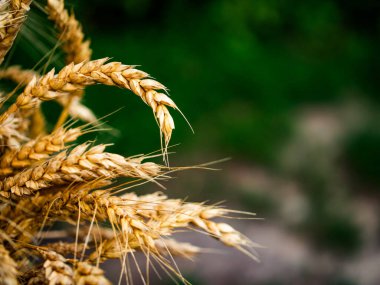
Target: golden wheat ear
column 12, row 18
column 74, row 77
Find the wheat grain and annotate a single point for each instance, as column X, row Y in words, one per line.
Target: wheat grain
column 85, row 273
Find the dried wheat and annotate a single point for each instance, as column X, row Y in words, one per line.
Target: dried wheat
column 10, row 24
column 78, row 166
column 87, row 274
column 44, row 182
column 36, row 150
column 74, row 77
column 57, row 271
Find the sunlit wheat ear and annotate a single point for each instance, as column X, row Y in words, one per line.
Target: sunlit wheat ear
column 80, row 165
column 75, row 109
column 11, row 20
column 74, row 77
column 39, row 149
column 18, row 75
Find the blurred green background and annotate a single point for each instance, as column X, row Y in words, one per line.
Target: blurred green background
column 288, row 90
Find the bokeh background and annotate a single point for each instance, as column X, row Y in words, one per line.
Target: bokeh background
column 287, row 89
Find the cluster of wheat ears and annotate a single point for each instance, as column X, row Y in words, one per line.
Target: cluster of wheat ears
column 47, row 179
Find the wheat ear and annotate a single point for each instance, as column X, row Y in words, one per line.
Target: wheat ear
column 166, row 214
column 11, row 23
column 75, row 108
column 74, row 77
column 79, row 166
column 36, row 150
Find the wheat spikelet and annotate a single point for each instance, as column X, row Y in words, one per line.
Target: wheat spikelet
column 10, row 24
